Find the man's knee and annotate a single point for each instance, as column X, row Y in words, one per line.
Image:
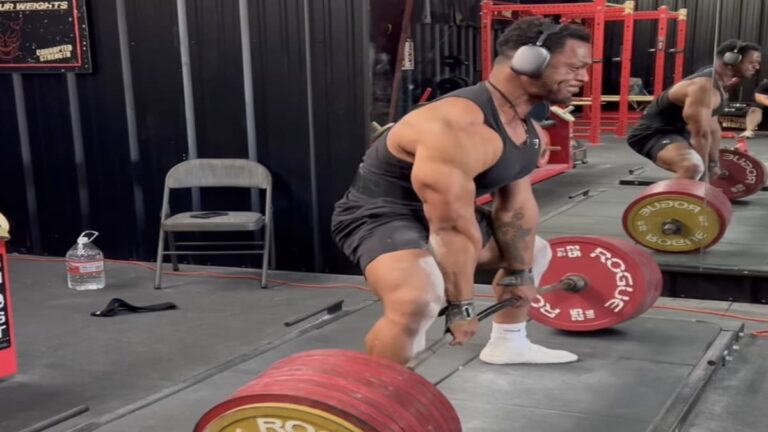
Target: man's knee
column 416, row 305
column 692, row 168
column 542, row 255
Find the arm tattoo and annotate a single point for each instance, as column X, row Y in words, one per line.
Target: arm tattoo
column 512, row 238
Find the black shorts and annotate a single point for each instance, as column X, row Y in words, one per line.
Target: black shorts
column 649, row 146
column 365, row 227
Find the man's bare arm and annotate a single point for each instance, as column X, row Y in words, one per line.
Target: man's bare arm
column 446, row 161
column 715, row 133
column 761, row 99
column 515, row 217
column 697, row 113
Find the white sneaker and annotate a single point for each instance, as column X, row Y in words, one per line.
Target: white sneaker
column 747, row 134
column 499, row 353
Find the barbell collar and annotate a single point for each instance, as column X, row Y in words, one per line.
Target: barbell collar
column 672, row 227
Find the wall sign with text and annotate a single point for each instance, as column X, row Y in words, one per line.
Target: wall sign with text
column 44, row 36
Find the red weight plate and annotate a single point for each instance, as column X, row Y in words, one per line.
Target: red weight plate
column 651, row 268
column 623, row 283
column 744, row 174
column 368, row 385
column 401, row 384
column 369, row 392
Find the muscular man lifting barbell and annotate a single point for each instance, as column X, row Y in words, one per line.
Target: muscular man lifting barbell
column 679, row 131
column 409, row 219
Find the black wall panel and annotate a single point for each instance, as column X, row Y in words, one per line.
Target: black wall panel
column 125, row 194
column 338, row 53
column 13, row 190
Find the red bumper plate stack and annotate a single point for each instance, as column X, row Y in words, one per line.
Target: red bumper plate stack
column 334, row 390
column 623, row 281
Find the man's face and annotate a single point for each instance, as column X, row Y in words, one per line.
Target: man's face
column 566, row 73
column 749, row 65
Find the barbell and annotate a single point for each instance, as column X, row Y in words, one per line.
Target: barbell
column 591, row 283
column 680, row 215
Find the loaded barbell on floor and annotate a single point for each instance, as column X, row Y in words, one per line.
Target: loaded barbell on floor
column 591, row 283
column 678, row 215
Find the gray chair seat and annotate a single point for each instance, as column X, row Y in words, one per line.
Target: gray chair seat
column 232, row 221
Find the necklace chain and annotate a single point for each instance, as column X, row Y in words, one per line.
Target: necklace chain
column 509, row 101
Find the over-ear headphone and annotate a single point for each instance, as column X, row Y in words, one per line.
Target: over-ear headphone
column 531, row 60
column 733, row 57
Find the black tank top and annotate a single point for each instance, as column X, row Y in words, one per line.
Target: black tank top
column 665, row 116
column 514, row 163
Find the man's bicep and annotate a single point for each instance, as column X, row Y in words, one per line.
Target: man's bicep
column 697, row 111
column 436, row 178
column 443, row 178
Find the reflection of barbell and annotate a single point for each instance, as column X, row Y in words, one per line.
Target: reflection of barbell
column 591, row 283
column 680, row 215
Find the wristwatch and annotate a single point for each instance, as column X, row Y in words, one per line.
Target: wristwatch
column 518, row 278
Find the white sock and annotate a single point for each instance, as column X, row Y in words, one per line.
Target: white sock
column 513, row 334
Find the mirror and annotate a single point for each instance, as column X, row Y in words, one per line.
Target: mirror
column 645, row 54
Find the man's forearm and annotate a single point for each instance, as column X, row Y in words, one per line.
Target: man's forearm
column 701, row 143
column 515, row 233
column 456, row 254
column 714, row 148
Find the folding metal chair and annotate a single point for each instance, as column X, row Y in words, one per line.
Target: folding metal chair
column 217, row 173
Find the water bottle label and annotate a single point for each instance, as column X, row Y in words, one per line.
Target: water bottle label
column 82, row 268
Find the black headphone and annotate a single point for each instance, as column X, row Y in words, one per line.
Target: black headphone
column 733, row 57
column 531, row 60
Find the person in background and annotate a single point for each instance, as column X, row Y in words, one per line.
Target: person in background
column 755, row 113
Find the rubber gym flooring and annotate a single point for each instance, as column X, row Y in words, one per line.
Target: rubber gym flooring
column 161, row 371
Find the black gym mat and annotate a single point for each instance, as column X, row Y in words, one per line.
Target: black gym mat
column 621, row 383
column 68, row 358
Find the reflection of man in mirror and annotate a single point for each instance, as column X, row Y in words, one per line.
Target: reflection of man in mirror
column 409, row 219
column 679, row 131
column 755, row 113
column 10, row 37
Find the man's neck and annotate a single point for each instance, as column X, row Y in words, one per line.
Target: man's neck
column 512, row 87
column 723, row 73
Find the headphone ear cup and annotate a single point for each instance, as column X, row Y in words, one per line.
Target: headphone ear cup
column 731, row 58
column 530, row 60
